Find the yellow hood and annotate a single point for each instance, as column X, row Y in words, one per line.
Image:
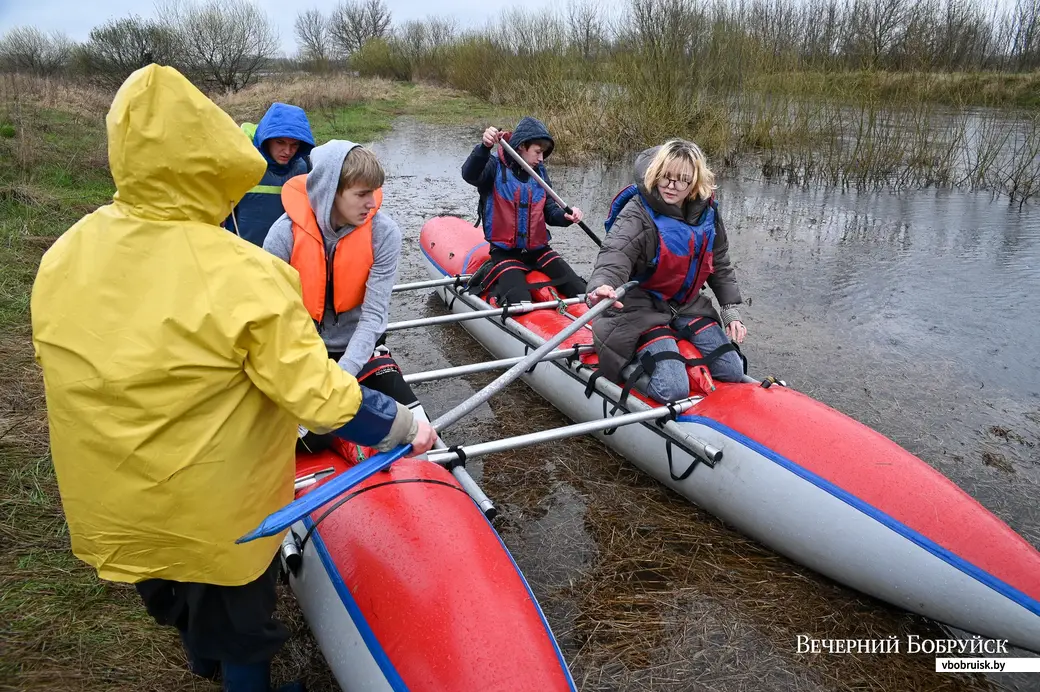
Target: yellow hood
column 174, row 155
column 177, row 358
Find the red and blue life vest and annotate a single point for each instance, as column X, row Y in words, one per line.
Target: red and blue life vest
column 514, row 212
column 685, row 252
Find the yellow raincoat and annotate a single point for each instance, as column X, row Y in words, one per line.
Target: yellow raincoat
column 177, row 357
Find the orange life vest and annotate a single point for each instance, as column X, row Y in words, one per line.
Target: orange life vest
column 352, row 257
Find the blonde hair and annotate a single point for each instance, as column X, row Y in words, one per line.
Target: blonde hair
column 682, row 152
column 360, row 167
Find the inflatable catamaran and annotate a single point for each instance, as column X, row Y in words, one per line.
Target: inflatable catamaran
column 406, row 585
column 781, row 467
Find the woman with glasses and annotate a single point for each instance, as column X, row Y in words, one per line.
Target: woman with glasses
column 665, row 231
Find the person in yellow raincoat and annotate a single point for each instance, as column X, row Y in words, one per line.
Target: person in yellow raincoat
column 178, row 360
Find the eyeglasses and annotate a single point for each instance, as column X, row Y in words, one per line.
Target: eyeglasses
column 680, row 184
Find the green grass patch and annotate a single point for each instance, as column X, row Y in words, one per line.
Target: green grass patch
column 367, row 121
column 361, row 123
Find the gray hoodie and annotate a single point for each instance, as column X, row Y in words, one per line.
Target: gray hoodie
column 355, row 332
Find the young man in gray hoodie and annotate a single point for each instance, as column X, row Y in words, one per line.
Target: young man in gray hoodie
column 346, row 251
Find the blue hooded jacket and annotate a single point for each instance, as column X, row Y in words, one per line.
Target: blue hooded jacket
column 262, row 205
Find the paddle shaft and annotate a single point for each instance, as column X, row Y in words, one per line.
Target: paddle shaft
column 548, row 190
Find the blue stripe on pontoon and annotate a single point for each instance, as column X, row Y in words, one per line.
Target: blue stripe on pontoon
column 902, row 529
column 465, row 262
column 548, row 630
column 374, row 647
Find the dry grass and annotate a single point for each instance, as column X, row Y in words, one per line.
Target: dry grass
column 312, row 94
column 58, row 94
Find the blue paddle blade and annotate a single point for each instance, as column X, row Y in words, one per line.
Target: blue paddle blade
column 281, row 519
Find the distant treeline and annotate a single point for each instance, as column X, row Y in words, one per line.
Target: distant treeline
column 227, row 44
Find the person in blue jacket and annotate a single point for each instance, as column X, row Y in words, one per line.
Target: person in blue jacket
column 284, row 138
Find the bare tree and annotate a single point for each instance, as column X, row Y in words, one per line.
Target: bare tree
column 353, row 22
column 586, row 27
column 824, row 23
column 1025, row 33
column 120, row 46
column 226, row 42
column 27, row 49
column 878, row 27
column 314, row 38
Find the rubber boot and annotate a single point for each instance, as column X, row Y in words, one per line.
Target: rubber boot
column 249, row 677
column 253, row 677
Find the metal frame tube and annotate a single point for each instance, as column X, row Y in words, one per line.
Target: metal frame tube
column 610, row 390
column 458, row 279
column 566, row 431
column 514, row 373
column 508, row 311
column 486, row 366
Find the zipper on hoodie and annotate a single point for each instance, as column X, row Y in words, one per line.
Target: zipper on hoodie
column 329, row 288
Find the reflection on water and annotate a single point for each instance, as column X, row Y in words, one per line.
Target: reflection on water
column 914, row 313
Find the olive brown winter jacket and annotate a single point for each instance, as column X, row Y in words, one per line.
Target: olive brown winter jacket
column 627, row 251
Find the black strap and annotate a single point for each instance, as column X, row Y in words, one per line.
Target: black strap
column 455, row 463
column 591, row 386
column 688, row 330
column 608, row 431
column 671, row 471
column 575, row 355
column 546, row 284
column 647, row 363
column 654, row 333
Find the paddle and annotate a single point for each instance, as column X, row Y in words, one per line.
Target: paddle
column 549, row 191
column 296, row 510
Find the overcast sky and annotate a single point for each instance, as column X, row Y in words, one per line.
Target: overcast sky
column 77, row 17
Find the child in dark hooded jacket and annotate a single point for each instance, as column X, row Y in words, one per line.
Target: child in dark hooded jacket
column 284, row 138
column 515, row 212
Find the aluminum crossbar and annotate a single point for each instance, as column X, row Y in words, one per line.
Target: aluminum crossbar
column 487, row 366
column 712, row 454
column 457, row 280
column 509, row 310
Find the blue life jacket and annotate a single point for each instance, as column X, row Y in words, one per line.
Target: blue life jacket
column 514, row 212
column 262, row 205
column 685, row 253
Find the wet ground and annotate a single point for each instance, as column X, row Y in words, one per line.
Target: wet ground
column 915, row 314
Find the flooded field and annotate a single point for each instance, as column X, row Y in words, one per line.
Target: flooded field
column 915, row 314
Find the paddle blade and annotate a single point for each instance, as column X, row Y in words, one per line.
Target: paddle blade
column 285, row 517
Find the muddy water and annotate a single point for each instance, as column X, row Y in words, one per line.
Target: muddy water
column 915, row 314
